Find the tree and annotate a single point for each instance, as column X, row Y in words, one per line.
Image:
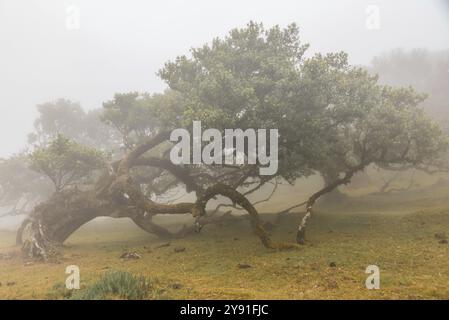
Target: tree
column 67, row 118
column 331, row 117
column 66, row 162
column 130, row 116
column 393, row 132
column 425, row 70
column 21, row 188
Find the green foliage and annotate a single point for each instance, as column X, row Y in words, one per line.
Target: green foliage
column 58, row 291
column 238, row 81
column 331, row 116
column 138, row 115
column 66, row 162
column 249, row 79
column 426, row 71
column 116, row 284
column 129, row 115
column 381, row 125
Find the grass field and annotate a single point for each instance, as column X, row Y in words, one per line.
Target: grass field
column 399, row 238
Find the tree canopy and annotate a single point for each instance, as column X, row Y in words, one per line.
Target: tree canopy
column 66, row 162
column 333, row 119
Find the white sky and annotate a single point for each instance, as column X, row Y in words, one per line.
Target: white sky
column 120, row 45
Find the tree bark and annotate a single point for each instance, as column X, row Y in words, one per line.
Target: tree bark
column 52, row 222
column 241, row 200
column 301, row 233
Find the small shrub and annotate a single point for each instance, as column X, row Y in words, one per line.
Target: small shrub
column 116, row 285
column 59, row 291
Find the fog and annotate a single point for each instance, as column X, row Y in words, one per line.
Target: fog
column 119, row 46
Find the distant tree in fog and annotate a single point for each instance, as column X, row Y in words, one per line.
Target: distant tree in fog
column 427, row 71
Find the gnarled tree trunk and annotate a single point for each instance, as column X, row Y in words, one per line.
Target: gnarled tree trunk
column 117, row 195
column 301, row 232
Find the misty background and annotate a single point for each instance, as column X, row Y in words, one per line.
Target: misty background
column 119, row 46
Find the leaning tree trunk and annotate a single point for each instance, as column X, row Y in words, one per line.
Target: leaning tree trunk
column 52, row 222
column 333, row 196
column 239, row 199
column 117, row 195
column 114, row 195
column 301, row 232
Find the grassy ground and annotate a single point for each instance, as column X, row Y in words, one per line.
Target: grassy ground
column 397, row 238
